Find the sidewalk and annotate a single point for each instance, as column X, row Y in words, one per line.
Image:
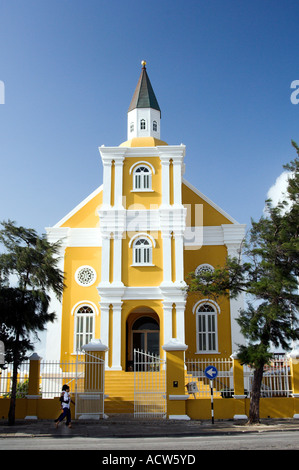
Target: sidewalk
column 123, row 426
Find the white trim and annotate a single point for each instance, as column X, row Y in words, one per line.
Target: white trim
column 204, row 265
column 209, row 201
column 206, row 301
column 79, row 206
column 142, row 235
column 142, row 162
column 204, row 333
column 84, row 302
column 91, row 282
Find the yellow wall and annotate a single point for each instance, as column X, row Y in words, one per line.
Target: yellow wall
column 87, row 216
column 142, row 200
column 74, row 293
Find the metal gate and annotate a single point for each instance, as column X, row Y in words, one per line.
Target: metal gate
column 89, row 386
column 149, row 385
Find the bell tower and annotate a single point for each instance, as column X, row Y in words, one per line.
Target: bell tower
column 144, row 114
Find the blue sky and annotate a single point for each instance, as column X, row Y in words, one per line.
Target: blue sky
column 221, row 71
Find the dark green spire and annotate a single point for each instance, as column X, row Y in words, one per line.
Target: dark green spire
column 144, row 96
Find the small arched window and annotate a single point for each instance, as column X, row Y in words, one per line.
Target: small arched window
column 142, row 252
column 142, row 178
column 132, row 127
column 84, row 326
column 142, row 124
column 155, row 126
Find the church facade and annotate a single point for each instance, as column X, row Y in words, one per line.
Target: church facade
column 128, row 248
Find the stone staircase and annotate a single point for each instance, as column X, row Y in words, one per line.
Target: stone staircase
column 119, row 392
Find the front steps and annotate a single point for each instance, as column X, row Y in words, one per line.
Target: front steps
column 119, row 389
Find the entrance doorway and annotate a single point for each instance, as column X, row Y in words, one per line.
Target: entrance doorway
column 143, row 333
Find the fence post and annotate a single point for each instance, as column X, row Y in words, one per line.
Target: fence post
column 33, row 387
column 239, row 395
column 90, row 403
column 175, row 379
column 294, row 370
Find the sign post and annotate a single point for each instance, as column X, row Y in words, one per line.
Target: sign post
column 211, row 373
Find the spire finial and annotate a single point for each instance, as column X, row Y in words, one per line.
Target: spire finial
column 143, row 63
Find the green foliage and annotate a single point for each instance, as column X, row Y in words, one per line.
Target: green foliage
column 28, row 271
column 269, row 278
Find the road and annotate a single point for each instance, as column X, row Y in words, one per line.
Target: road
column 281, row 440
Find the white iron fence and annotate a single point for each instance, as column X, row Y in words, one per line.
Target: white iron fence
column 276, row 378
column 198, row 384
column 149, row 385
column 85, row 376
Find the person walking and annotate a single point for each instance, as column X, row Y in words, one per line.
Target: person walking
column 66, row 401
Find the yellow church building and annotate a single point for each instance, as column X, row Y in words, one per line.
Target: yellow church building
column 128, row 248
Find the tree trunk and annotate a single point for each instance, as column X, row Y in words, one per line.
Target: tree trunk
column 12, row 407
column 254, row 410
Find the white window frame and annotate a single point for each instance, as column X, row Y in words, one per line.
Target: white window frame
column 206, row 326
column 142, row 180
column 142, row 124
column 84, row 325
column 142, row 253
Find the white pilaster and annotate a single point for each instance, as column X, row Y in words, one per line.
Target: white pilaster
column 117, row 259
column 165, row 161
column 53, row 338
column 118, row 181
column 233, row 236
column 177, row 180
column 116, row 343
column 107, row 163
column 105, row 307
column 167, row 313
column 179, row 256
column 167, row 261
column 180, row 320
column 105, row 259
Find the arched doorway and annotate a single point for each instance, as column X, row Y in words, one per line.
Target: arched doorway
column 143, row 333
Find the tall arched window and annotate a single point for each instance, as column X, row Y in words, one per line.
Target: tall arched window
column 84, row 326
column 142, row 178
column 206, row 327
column 142, row 251
column 155, row 126
column 142, row 124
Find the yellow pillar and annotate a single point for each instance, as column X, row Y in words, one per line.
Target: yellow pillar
column 90, row 403
column 94, row 365
column 33, row 388
column 175, row 379
column 239, row 395
column 294, row 369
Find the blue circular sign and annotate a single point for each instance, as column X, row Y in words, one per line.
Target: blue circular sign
column 211, row 372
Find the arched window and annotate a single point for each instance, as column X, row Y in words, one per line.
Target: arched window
column 142, row 178
column 206, row 327
column 84, row 326
column 142, row 124
column 142, row 252
column 155, row 126
column 132, row 127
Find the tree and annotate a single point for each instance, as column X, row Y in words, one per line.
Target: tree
column 269, row 278
column 28, row 271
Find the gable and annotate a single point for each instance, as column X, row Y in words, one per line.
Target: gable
column 85, row 214
column 212, row 214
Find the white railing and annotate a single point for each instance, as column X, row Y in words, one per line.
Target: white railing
column 149, row 385
column 22, row 380
column 198, row 385
column 85, row 377
column 276, row 378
